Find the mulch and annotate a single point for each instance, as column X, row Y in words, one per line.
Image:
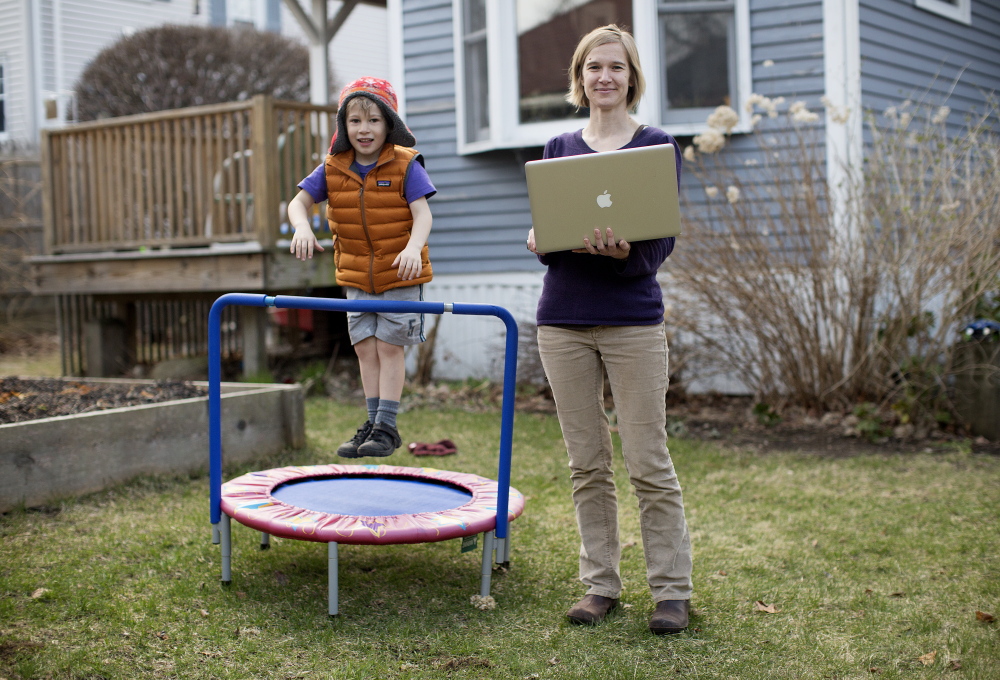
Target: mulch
column 24, row 400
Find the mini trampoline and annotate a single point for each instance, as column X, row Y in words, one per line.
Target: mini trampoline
column 363, row 504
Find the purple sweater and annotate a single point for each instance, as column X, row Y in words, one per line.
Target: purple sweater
column 596, row 290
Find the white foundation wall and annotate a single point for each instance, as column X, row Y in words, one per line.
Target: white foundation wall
column 473, row 346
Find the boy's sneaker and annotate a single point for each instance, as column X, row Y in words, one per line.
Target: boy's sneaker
column 383, row 441
column 349, row 449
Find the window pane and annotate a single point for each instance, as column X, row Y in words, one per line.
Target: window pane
column 547, row 34
column 696, row 54
column 475, row 15
column 477, row 92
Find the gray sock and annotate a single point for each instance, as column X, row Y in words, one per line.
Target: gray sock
column 387, row 411
column 372, row 404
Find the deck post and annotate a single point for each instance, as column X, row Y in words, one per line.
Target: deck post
column 264, row 144
column 253, row 325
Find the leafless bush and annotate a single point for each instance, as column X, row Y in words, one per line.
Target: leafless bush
column 170, row 67
column 20, row 231
column 831, row 310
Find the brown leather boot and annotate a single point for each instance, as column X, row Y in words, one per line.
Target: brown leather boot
column 670, row 616
column 591, row 609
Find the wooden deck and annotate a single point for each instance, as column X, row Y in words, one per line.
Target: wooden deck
column 181, row 205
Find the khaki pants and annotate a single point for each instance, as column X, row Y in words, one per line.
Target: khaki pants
column 636, row 361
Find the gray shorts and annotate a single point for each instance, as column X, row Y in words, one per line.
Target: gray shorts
column 396, row 329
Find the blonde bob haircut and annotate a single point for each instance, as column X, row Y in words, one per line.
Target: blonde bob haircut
column 611, row 33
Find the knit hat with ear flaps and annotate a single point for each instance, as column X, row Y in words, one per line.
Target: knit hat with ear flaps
column 380, row 92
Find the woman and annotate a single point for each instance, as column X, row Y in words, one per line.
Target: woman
column 601, row 306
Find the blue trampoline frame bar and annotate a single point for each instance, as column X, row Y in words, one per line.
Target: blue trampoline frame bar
column 495, row 541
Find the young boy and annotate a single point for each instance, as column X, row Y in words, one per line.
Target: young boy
column 377, row 209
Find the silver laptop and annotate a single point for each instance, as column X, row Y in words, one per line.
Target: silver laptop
column 633, row 191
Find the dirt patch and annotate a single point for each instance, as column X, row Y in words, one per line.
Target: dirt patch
column 23, row 400
column 731, row 421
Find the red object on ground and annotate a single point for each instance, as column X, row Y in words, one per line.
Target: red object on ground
column 444, row 447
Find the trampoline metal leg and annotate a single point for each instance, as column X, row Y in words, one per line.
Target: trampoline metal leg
column 215, row 534
column 334, row 583
column 225, row 534
column 265, row 540
column 505, row 557
column 487, row 571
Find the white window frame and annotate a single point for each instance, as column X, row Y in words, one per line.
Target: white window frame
column 507, row 132
column 959, row 10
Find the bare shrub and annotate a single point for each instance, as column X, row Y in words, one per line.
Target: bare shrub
column 828, row 311
column 171, row 67
column 20, row 232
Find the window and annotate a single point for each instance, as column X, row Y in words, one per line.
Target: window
column 3, row 98
column 476, row 82
column 956, row 10
column 547, row 34
column 511, row 60
column 246, row 13
column 697, row 57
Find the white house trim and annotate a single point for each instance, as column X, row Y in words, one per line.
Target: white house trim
column 842, row 82
column 397, row 71
column 956, row 10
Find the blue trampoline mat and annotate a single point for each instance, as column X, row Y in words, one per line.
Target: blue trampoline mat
column 371, row 496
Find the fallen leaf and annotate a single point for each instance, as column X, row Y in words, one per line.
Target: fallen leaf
column 203, row 612
column 898, row 593
column 980, row 616
column 281, row 578
column 766, row 608
column 928, row 658
column 554, row 661
column 39, row 593
column 955, row 665
column 162, row 635
column 869, row 591
column 874, row 669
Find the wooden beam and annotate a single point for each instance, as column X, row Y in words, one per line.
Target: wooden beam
column 339, row 18
column 245, row 268
column 311, row 29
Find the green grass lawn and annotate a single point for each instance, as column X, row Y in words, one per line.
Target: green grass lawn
column 873, row 566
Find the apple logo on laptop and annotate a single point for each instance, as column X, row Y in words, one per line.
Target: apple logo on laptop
column 604, row 200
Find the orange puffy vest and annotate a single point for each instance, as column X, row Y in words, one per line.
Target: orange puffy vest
column 371, row 220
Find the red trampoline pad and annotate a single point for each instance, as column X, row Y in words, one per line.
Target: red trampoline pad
column 366, row 504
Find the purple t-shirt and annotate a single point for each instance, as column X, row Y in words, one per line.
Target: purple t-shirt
column 596, row 290
column 418, row 182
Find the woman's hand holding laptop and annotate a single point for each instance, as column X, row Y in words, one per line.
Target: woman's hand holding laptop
column 599, row 246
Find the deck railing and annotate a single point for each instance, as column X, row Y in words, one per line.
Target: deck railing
column 180, row 178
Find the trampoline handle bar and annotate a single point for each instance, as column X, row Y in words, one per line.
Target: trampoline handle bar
column 341, row 305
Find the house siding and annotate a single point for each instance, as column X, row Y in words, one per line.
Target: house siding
column 786, row 47
column 910, row 53
column 481, row 214
column 13, row 49
column 71, row 33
